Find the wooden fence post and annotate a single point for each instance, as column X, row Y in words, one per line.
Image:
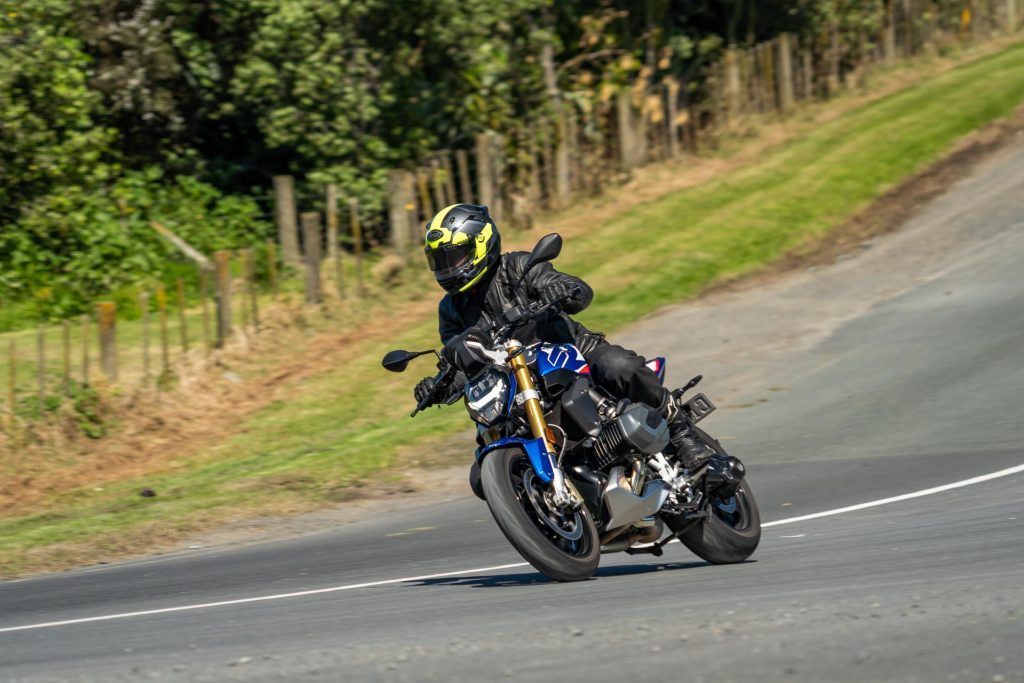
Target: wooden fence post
column 533, row 191
column 732, row 84
column 497, row 205
column 41, row 364
column 547, row 166
column 12, row 381
column 484, row 170
column 331, row 214
column 462, row 162
column 1011, row 16
column 181, row 315
column 284, row 212
column 426, row 205
column 66, row 365
column 161, row 308
column 437, row 184
column 400, row 196
column 449, row 179
column 833, row 59
column 204, row 291
column 311, row 239
column 808, row 69
column 272, row 268
column 107, row 315
column 222, row 295
column 357, row 243
column 144, row 307
column 572, row 133
column 771, row 77
column 562, row 189
column 250, row 286
column 624, row 118
column 244, row 308
column 671, row 116
column 85, row 349
column 889, row 33
column 785, row 71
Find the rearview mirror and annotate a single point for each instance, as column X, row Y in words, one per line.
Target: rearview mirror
column 547, row 249
column 398, row 360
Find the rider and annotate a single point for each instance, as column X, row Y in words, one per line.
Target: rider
column 463, row 249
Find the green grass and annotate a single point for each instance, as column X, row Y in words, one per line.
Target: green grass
column 350, row 422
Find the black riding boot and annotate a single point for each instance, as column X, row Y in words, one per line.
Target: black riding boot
column 691, row 448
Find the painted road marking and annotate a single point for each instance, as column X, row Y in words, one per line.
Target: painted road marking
column 371, row 584
column 896, row 499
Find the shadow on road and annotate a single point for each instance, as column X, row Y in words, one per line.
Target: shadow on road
column 531, row 578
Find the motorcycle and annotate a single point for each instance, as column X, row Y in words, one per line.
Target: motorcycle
column 569, row 472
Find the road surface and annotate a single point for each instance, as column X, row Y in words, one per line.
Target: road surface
column 896, row 370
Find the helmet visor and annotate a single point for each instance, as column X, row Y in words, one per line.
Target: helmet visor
column 450, row 258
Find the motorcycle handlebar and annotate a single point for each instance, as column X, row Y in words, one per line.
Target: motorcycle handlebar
column 513, row 317
column 518, row 316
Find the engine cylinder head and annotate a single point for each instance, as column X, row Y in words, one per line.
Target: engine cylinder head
column 638, row 428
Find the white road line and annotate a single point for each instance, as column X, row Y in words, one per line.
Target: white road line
column 262, row 598
column 370, row 584
column 896, row 499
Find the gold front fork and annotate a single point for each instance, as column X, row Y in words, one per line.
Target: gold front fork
column 565, row 495
column 524, row 382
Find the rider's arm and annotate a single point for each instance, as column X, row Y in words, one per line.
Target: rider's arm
column 545, row 275
column 448, row 322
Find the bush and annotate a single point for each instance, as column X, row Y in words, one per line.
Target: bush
column 73, row 246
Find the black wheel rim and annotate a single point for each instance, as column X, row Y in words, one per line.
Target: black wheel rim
column 567, row 532
column 733, row 510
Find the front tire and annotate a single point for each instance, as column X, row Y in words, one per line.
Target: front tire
column 562, row 547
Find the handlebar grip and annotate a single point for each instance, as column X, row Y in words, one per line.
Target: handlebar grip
column 420, row 406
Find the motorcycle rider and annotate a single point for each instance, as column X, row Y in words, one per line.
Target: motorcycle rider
column 463, row 249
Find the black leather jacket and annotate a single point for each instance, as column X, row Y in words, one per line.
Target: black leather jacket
column 486, row 301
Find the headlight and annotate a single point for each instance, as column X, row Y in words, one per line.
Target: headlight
column 487, row 397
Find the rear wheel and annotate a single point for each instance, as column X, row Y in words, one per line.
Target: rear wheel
column 563, row 546
column 731, row 531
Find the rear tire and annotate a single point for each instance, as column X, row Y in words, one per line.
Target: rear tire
column 731, row 531
column 508, row 481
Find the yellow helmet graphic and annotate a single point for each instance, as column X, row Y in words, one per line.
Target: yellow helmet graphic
column 462, row 244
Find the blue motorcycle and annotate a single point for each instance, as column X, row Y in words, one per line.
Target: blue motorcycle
column 569, row 472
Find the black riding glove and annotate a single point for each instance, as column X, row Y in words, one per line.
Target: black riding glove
column 424, row 389
column 558, row 293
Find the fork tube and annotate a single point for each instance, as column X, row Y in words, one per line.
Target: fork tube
column 534, row 411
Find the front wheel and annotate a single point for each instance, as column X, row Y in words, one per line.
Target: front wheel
column 562, row 546
column 731, row 531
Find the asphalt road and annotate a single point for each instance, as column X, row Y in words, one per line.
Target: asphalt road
column 896, row 370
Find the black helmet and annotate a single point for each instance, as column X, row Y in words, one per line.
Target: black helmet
column 462, row 244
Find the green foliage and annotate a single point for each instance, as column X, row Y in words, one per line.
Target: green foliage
column 49, row 132
column 220, row 96
column 82, row 243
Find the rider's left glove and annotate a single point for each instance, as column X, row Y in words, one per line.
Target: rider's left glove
column 424, row 389
column 557, row 293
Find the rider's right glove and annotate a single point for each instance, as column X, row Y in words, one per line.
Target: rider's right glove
column 424, row 389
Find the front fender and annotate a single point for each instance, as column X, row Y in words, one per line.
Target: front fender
column 534, row 449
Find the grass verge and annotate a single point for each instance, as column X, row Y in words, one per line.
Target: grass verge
column 350, row 422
